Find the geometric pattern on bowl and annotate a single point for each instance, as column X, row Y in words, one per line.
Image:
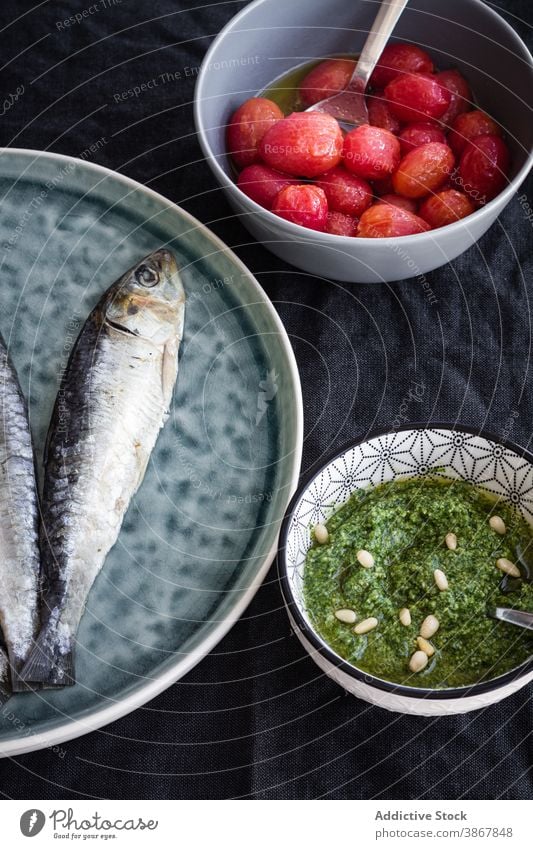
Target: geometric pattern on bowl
column 408, row 453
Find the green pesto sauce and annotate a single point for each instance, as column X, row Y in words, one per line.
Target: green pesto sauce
column 403, row 524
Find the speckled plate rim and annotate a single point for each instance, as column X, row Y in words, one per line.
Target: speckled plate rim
column 305, row 627
column 98, row 718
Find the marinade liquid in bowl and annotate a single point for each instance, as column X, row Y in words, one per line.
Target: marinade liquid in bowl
column 404, row 525
column 285, row 90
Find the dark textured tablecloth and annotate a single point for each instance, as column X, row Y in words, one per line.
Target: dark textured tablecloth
column 256, row 718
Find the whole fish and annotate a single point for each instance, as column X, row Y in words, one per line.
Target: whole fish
column 19, row 528
column 112, row 402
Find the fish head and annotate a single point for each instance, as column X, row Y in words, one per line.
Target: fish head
column 148, row 301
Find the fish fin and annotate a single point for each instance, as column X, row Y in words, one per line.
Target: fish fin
column 168, row 368
column 46, row 665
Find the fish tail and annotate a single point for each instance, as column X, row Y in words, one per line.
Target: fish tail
column 19, row 685
column 5, row 690
column 12, row 673
column 5, row 685
column 46, row 664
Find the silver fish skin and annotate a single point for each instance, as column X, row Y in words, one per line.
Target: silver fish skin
column 112, row 402
column 19, row 526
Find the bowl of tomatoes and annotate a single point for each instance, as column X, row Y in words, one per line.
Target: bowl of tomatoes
column 448, row 141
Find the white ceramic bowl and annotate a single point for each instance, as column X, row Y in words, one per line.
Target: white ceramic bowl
column 498, row 467
column 269, row 37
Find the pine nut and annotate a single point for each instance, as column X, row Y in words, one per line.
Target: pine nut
column 418, row 662
column 321, row 533
column 451, row 541
column 424, row 646
column 509, row 568
column 441, row 580
column 405, row 616
column 365, row 558
column 366, row 625
column 497, row 524
column 346, row 616
column 429, row 626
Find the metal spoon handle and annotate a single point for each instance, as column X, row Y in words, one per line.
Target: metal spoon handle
column 386, row 18
column 515, row 617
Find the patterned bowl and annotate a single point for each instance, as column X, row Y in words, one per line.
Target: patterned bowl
column 496, row 466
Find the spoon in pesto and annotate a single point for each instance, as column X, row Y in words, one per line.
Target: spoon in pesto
column 522, row 618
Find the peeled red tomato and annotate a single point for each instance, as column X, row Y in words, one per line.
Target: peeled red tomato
column 382, row 220
column 345, row 192
column 483, row 168
column 445, row 207
column 326, row 79
column 247, row 126
column 304, row 205
column 339, row 224
column 423, row 170
column 305, row 144
column 415, row 97
column 371, row 152
column 262, row 184
column 400, row 58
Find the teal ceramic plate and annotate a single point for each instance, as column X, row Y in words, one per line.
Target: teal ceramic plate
column 201, row 532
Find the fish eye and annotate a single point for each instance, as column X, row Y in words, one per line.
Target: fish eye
column 146, row 276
